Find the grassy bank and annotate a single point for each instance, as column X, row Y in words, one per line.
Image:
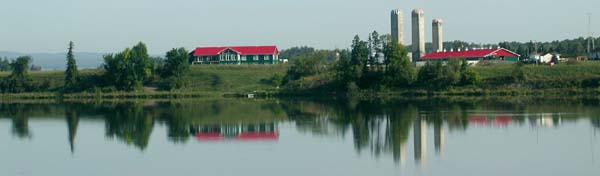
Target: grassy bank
column 579, row 79
column 233, row 78
column 584, row 75
column 203, row 81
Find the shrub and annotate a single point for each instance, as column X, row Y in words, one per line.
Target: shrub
column 436, row 75
column 467, row 75
column 518, row 74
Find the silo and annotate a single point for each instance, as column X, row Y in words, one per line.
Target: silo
column 438, row 35
column 418, row 34
column 398, row 26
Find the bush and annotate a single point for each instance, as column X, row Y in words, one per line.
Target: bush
column 467, row 75
column 470, row 77
column 435, row 75
column 518, row 73
column 305, row 66
column 352, row 89
column 276, row 80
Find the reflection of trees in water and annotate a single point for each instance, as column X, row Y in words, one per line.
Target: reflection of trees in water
column 19, row 114
column 72, row 117
column 381, row 127
column 377, row 127
column 177, row 125
column 312, row 118
column 130, row 123
column 20, row 126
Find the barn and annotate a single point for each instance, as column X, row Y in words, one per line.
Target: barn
column 473, row 56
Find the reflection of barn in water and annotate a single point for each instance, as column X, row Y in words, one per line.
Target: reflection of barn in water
column 491, row 120
column 258, row 131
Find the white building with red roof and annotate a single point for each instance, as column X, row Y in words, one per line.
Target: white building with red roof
column 472, row 56
column 235, row 55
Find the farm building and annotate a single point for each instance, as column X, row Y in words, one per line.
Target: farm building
column 473, row 56
column 235, row 55
column 544, row 58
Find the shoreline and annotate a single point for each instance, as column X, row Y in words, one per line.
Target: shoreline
column 404, row 94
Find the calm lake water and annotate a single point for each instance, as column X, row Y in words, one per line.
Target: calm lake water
column 301, row 137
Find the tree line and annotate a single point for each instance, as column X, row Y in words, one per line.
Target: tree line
column 380, row 63
column 568, row 48
column 128, row 70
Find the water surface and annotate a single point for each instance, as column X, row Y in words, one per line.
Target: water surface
column 301, row 137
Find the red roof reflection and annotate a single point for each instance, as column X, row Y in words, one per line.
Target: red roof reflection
column 498, row 120
column 249, row 136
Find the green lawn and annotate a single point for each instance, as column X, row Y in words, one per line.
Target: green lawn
column 232, row 78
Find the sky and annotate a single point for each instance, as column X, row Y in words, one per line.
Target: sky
column 111, row 25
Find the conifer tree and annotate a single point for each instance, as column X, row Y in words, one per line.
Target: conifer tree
column 71, row 74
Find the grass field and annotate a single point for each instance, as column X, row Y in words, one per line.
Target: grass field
column 581, row 75
column 201, row 78
column 583, row 69
column 233, row 78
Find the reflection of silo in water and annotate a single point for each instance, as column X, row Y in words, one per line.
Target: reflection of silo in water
column 440, row 138
column 420, row 131
column 400, row 156
column 403, row 153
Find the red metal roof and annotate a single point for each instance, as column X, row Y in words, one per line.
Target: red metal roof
column 209, row 136
column 258, row 136
column 471, row 54
column 242, row 50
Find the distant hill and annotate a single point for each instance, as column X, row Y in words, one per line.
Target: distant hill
column 57, row 61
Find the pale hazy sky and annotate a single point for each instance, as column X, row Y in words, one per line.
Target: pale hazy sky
column 112, row 25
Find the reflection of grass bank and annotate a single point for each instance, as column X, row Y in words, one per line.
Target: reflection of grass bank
column 455, row 92
column 171, row 95
column 112, row 95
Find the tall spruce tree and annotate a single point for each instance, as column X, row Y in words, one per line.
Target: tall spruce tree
column 71, row 75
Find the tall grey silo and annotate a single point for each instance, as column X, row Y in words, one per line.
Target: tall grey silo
column 418, row 34
column 398, row 26
column 438, row 35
